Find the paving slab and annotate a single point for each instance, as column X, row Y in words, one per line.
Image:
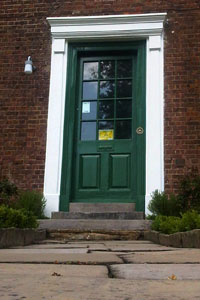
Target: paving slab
column 82, row 243
column 139, row 247
column 53, row 270
column 108, row 243
column 118, row 253
column 116, row 243
column 42, row 251
column 97, row 247
column 176, row 257
column 53, row 246
column 41, row 256
column 156, row 271
column 92, row 246
column 50, row 241
column 33, row 287
column 64, row 281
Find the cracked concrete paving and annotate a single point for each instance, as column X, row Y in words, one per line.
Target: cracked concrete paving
column 109, row 270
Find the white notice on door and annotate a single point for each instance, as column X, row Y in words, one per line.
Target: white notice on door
column 86, row 108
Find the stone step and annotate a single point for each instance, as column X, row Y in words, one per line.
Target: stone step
column 66, row 235
column 101, row 207
column 89, row 224
column 99, row 216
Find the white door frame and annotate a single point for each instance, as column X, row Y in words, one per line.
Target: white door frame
column 106, row 28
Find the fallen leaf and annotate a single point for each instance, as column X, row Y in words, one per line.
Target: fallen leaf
column 172, row 277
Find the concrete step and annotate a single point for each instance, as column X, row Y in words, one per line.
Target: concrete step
column 101, row 207
column 92, row 225
column 99, row 216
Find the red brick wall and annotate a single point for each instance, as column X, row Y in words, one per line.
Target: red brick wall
column 24, row 99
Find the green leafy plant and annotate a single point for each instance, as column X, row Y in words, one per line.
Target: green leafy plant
column 18, row 218
column 169, row 224
column 166, row 224
column 161, row 204
column 12, row 197
column 189, row 220
column 32, row 201
column 8, row 192
column 150, row 217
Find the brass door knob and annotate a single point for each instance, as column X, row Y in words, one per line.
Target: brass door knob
column 139, row 130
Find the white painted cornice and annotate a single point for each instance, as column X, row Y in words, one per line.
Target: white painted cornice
column 110, row 26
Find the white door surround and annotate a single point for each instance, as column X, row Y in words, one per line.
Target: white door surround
column 106, row 28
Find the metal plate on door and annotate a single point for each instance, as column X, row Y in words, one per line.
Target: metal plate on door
column 105, row 148
column 139, row 130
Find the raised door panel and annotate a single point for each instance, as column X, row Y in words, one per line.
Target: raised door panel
column 120, row 171
column 89, row 175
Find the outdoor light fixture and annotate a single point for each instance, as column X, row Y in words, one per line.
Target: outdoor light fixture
column 29, row 68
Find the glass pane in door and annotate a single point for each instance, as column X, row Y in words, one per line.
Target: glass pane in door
column 90, row 70
column 106, row 103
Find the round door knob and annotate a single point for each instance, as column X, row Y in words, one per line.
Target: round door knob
column 139, row 130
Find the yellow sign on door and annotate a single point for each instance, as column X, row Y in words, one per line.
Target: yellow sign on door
column 105, row 135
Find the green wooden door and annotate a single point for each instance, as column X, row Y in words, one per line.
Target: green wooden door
column 108, row 150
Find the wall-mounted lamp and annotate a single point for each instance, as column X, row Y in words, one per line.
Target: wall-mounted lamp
column 29, row 68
